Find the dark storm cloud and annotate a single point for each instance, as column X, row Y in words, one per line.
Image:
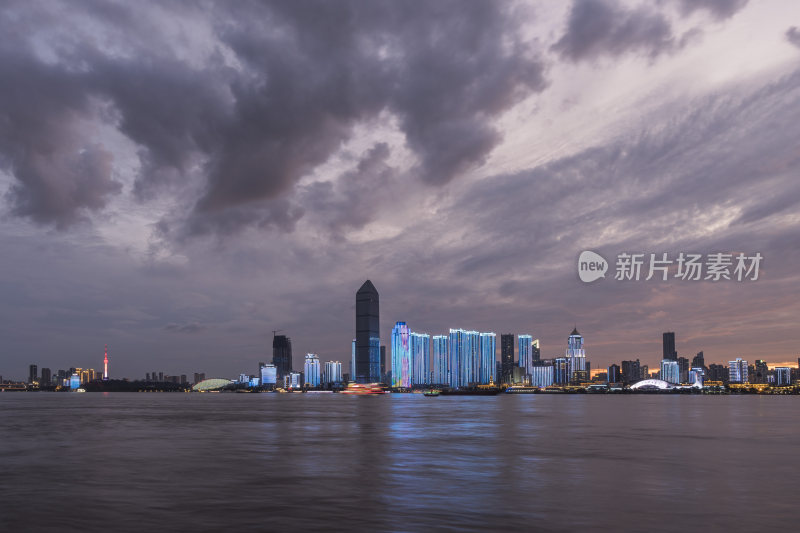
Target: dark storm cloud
column 281, row 88
column 793, row 36
column 598, row 28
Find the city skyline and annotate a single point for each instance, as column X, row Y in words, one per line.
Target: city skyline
column 254, row 178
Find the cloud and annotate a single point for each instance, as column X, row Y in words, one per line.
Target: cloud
column 793, row 36
column 229, row 107
column 719, row 9
column 597, row 28
column 191, row 327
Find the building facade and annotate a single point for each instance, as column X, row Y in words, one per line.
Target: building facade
column 311, row 370
column 368, row 331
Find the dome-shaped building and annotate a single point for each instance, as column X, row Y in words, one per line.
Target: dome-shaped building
column 211, row 384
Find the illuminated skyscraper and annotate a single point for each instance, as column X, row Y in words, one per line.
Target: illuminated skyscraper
column 401, row 356
column 368, row 343
column 541, row 375
column 561, row 374
column 463, row 350
column 282, row 354
column 783, row 376
column 420, row 358
column 576, row 357
column 332, row 374
column 738, row 371
column 441, row 371
column 670, row 371
column 668, row 341
column 487, row 363
column 311, row 370
column 614, row 374
column 506, row 356
column 525, row 343
column 353, row 361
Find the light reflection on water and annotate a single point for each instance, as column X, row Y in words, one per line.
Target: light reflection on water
column 131, row 462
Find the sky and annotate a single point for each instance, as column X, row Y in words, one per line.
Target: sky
column 180, row 179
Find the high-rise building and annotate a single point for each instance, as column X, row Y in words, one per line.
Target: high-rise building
column 311, row 370
column 631, row 371
column 670, row 371
column 576, row 358
column 487, row 366
column 75, row 381
column 401, row 356
column 614, row 374
column 368, row 331
column 441, row 371
column 332, row 374
column 353, row 361
column 506, row 357
column 683, row 369
column 282, row 354
column 761, row 372
column 420, row 358
column 463, row 349
column 668, row 345
column 268, row 374
column 198, row 377
column 561, row 373
column 46, row 377
column 717, row 373
column 33, row 374
column 525, row 344
column 536, row 353
column 699, row 361
column 696, row 376
column 292, row 380
column 737, row 371
column 783, row 376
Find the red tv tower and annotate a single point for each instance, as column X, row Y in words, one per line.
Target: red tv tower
column 105, row 365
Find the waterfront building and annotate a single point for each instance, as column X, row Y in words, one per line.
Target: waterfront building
column 368, row 363
column 33, row 374
column 332, row 373
column 614, row 374
column 420, row 347
column 383, row 363
column 683, row 369
column 631, row 371
column 576, row 358
column 486, row 367
column 46, row 377
column 541, row 375
column 292, row 380
column 561, row 374
column 668, row 346
column 717, row 373
column 670, row 372
column 353, row 361
column 282, row 354
column 760, row 372
column 506, row 357
column 738, row 371
column 401, row 356
column 463, row 350
column 783, row 376
column 311, row 370
column 525, row 346
column 75, row 381
column 441, row 371
column 267, row 372
column 698, row 361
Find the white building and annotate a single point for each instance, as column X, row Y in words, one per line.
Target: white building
column 670, row 371
column 737, row 371
column 311, row 370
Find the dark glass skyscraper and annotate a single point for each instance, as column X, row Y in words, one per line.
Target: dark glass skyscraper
column 368, row 332
column 282, row 354
column 669, row 346
column 507, row 356
column 33, row 373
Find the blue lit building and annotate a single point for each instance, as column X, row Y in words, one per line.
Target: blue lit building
column 738, row 371
column 463, row 350
column 576, row 357
column 487, row 365
column 541, row 375
column 783, row 376
column 420, row 358
column 401, row 356
column 670, row 371
column 524, row 349
column 332, row 373
column 268, row 374
column 311, row 370
column 561, row 373
column 441, row 369
column 75, row 381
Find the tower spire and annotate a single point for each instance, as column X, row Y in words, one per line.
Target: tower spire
column 105, row 364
